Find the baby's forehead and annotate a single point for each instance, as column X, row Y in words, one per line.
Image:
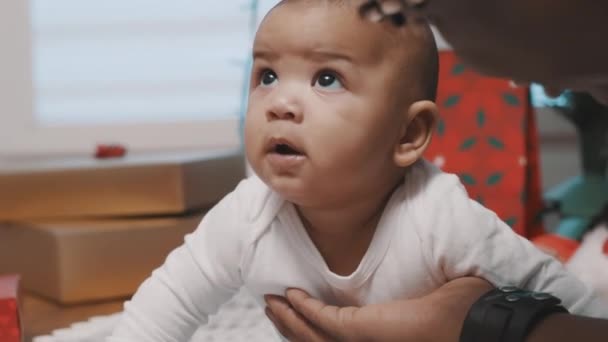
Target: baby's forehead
column 309, row 25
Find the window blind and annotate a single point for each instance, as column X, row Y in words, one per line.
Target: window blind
column 115, row 61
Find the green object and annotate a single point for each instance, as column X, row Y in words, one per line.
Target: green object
column 573, row 227
column 581, row 199
column 584, row 196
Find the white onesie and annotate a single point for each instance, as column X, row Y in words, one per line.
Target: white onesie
column 430, row 232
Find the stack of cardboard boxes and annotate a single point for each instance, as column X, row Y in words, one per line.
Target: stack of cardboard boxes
column 83, row 230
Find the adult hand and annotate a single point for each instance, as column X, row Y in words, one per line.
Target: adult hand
column 437, row 316
column 556, row 43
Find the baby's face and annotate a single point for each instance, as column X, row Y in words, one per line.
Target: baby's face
column 326, row 104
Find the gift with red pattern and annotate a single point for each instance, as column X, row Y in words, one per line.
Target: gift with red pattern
column 487, row 136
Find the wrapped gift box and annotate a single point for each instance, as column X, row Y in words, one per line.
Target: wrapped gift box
column 129, row 186
column 89, row 260
column 10, row 327
column 486, row 135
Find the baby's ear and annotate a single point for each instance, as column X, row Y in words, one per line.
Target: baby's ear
column 416, row 132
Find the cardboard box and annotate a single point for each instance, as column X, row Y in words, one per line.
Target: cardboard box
column 89, row 260
column 10, row 327
column 130, row 186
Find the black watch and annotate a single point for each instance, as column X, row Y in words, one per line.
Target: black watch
column 507, row 314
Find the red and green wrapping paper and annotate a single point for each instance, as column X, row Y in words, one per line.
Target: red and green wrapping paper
column 487, row 136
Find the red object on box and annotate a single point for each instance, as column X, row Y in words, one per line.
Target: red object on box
column 10, row 327
column 109, row 151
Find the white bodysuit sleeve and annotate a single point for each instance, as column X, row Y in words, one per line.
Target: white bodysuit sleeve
column 468, row 239
column 194, row 281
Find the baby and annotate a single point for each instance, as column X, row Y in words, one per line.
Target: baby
column 340, row 113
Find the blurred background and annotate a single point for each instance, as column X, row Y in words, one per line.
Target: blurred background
column 163, row 84
column 149, row 75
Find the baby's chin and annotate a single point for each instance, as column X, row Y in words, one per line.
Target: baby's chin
column 300, row 189
column 292, row 189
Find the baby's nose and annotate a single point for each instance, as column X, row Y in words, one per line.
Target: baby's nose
column 284, row 109
column 280, row 115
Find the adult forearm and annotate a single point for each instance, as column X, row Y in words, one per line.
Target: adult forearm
column 565, row 327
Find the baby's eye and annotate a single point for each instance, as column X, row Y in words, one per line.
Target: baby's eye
column 268, row 78
column 328, row 80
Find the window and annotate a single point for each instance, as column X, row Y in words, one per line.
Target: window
column 150, row 74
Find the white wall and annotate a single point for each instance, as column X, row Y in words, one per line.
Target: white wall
column 15, row 72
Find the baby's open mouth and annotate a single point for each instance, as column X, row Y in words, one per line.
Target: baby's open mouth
column 283, row 147
column 286, row 150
